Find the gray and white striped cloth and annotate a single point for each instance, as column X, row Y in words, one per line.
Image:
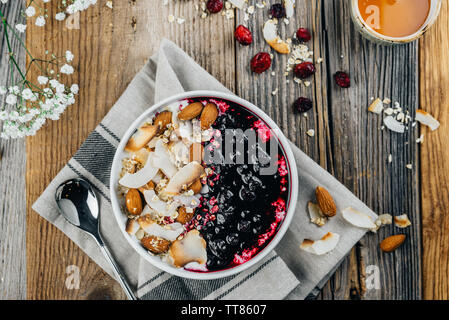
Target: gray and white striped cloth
column 286, row 273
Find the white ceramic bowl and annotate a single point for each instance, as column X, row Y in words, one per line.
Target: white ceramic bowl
column 156, row 261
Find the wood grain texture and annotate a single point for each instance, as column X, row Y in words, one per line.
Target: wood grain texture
column 111, row 46
column 348, row 141
column 12, row 181
column 434, row 97
column 360, row 150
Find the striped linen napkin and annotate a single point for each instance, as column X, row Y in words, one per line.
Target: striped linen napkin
column 286, row 273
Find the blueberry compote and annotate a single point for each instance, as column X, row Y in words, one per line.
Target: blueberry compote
column 242, row 209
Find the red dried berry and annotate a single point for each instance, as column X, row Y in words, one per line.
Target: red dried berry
column 302, row 105
column 214, row 6
column 260, row 62
column 304, row 70
column 243, row 35
column 342, row 79
column 303, row 35
column 277, row 11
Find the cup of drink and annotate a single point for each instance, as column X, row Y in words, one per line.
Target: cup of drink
column 394, row 21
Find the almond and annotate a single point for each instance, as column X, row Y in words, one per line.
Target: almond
column 193, row 110
column 196, row 186
column 326, row 202
column 184, row 216
column 392, row 243
column 133, row 202
column 163, row 119
column 208, row 116
column 155, row 244
column 196, row 152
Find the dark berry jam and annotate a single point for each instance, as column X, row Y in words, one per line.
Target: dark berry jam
column 243, row 207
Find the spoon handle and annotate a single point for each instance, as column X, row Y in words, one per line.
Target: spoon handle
column 117, row 272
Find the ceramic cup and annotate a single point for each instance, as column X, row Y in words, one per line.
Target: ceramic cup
column 374, row 36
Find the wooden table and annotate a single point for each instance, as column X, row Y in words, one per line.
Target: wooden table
column 113, row 44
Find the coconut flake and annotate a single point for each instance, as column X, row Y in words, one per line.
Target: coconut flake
column 316, row 215
column 426, row 119
column 184, row 177
column 163, row 208
column 169, row 231
column 322, row 246
column 191, row 248
column 141, row 177
column 289, row 8
column 238, row 3
column 402, row 221
column 132, row 226
column 357, row 218
column 271, row 37
column 162, row 160
column 394, row 125
column 376, row 107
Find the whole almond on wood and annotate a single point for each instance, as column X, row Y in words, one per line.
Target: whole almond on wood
column 208, row 116
column 155, row 244
column 133, row 202
column 163, row 119
column 193, row 110
column 325, row 202
column 392, row 243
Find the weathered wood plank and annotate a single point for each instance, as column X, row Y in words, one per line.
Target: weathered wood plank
column 434, row 96
column 110, row 47
column 12, row 181
column 360, row 150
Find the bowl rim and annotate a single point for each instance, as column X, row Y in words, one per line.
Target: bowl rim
column 157, row 262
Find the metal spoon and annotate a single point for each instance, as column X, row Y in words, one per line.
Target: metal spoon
column 79, row 205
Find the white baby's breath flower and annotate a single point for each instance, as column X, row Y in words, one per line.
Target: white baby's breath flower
column 67, row 69
column 40, row 21
column 60, row 16
column 4, row 1
column 11, row 99
column 74, row 89
column 14, row 90
column 3, row 90
column 27, row 94
column 30, row 11
column 69, row 56
column 42, row 80
column 21, row 27
column 54, row 83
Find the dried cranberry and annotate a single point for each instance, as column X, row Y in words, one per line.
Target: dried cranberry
column 214, row 6
column 304, row 70
column 277, row 11
column 303, row 105
column 303, row 35
column 342, row 79
column 243, row 35
column 260, row 62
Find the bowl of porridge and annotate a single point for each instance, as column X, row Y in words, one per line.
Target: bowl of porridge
column 203, row 185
